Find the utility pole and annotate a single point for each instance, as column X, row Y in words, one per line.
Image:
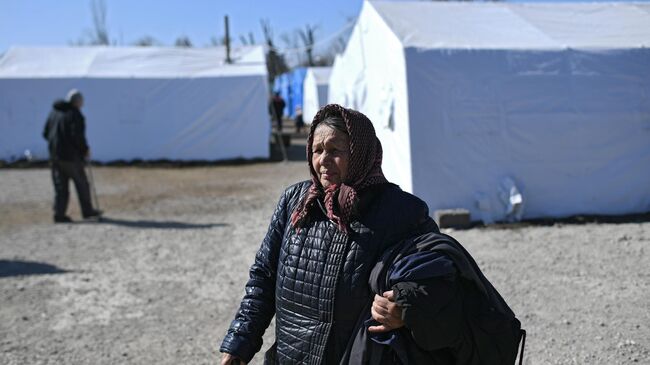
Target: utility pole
column 227, row 40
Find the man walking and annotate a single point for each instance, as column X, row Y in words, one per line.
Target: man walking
column 65, row 131
column 276, row 108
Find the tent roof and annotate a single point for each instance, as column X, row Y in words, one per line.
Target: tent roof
column 524, row 26
column 321, row 74
column 130, row 62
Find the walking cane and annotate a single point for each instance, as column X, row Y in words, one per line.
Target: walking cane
column 92, row 183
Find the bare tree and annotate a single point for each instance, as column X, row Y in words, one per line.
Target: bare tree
column 217, row 41
column 290, row 40
column 183, row 41
column 275, row 62
column 300, row 44
column 99, row 34
column 267, row 30
column 146, row 41
column 307, row 36
column 293, row 48
column 247, row 41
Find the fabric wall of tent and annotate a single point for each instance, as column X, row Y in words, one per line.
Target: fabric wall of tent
column 336, row 87
column 290, row 85
column 297, row 81
column 140, row 102
column 507, row 110
column 315, row 89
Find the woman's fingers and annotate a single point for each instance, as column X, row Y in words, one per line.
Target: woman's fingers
column 228, row 359
column 380, row 314
column 386, row 312
column 385, row 322
column 380, row 309
column 385, row 305
column 389, row 295
column 376, row 316
column 378, row 329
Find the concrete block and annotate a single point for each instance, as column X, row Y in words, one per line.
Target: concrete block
column 452, row 218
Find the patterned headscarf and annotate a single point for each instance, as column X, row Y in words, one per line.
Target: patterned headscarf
column 364, row 168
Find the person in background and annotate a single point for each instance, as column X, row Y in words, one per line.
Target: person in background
column 276, row 108
column 300, row 122
column 65, row 132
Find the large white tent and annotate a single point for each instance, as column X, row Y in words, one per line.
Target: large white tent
column 501, row 108
column 140, row 102
column 314, row 91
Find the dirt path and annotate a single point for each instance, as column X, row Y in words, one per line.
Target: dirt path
column 158, row 282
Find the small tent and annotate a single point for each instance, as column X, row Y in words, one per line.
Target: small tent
column 315, row 89
column 507, row 110
column 140, row 102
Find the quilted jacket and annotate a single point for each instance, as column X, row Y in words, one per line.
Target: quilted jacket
column 315, row 279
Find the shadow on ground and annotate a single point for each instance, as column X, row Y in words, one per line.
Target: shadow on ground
column 157, row 224
column 23, row 268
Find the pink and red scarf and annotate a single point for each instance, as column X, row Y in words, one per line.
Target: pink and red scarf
column 364, row 169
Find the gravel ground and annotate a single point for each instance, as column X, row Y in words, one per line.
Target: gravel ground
column 159, row 280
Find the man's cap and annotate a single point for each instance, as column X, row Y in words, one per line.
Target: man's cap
column 73, row 95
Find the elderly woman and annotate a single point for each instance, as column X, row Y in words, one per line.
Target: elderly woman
column 313, row 269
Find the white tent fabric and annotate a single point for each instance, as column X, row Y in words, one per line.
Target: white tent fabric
column 517, row 26
column 482, row 106
column 137, row 62
column 336, row 82
column 315, row 91
column 140, row 102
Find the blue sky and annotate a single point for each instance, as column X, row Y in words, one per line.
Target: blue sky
column 51, row 22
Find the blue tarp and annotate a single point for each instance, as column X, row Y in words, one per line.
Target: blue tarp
column 297, row 80
column 282, row 84
column 289, row 85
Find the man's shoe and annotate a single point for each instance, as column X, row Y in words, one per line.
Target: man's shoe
column 64, row 219
column 95, row 214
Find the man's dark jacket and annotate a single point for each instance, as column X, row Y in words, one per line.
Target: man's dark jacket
column 65, row 132
column 276, row 108
column 315, row 278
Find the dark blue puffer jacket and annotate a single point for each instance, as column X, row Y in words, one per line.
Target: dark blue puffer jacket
column 315, row 279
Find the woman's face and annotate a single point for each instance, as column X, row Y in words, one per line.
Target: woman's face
column 330, row 155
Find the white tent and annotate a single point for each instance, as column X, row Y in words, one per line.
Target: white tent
column 140, row 102
column 504, row 108
column 314, row 91
column 336, row 82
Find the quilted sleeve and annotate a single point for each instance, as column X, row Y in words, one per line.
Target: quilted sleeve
column 244, row 337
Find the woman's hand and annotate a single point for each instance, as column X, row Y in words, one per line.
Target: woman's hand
column 228, row 359
column 385, row 311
